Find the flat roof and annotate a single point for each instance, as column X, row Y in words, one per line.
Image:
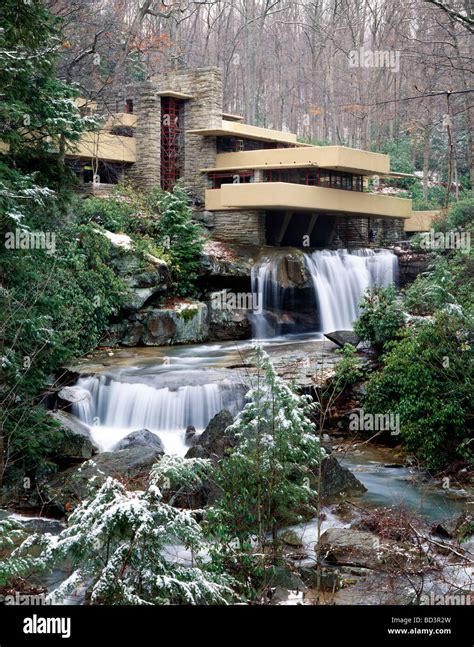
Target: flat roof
column 245, row 131
column 175, row 95
column 230, row 117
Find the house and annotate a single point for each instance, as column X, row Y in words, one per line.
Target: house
column 247, row 184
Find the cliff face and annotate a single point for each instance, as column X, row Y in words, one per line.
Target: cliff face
column 410, row 264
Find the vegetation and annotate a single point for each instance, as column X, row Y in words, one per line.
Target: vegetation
column 161, row 221
column 118, row 544
column 427, row 373
column 381, row 317
column 269, row 478
column 427, row 379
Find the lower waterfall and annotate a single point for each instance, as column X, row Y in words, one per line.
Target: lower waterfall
column 113, row 409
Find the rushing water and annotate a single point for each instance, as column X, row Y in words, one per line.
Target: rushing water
column 113, row 409
column 339, row 280
column 185, row 388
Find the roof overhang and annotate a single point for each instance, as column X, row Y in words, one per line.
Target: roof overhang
column 175, row 95
column 244, row 131
column 230, row 117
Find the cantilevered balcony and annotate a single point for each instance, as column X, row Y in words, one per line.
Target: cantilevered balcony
column 279, row 196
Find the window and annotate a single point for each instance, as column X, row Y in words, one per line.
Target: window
column 346, row 182
column 315, row 177
column 216, row 180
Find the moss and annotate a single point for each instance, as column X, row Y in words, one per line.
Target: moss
column 187, row 313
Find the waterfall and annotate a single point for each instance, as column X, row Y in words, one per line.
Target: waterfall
column 113, row 409
column 264, row 280
column 339, row 280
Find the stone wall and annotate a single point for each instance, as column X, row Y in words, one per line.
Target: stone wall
column 350, row 232
column 146, row 172
column 245, row 227
column 387, row 230
column 203, row 111
column 354, row 232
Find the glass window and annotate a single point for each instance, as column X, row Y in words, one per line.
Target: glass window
column 324, row 178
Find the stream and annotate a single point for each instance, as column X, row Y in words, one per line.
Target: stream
column 168, row 389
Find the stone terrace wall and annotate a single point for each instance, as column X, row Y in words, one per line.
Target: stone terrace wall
column 388, row 230
column 245, row 227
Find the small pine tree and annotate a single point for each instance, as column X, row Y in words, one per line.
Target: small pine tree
column 127, row 547
column 185, row 239
column 268, row 480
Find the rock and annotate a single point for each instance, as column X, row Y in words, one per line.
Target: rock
column 290, row 538
column 227, row 323
column 286, row 579
column 42, row 525
column 330, row 578
column 190, row 434
column 457, row 527
column 142, row 438
column 184, row 322
column 72, row 395
column 221, row 259
column 144, row 275
column 118, row 241
column 65, row 490
column 296, row 270
column 76, row 443
column 214, row 442
column 338, row 481
column 286, row 597
column 342, row 337
column 411, row 264
column 348, row 547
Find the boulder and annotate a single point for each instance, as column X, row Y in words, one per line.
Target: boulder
column 182, row 323
column 338, row 481
column 343, row 337
column 142, row 438
column 329, row 577
column 144, row 275
column 296, row 270
column 72, row 395
column 214, row 442
column 348, row 547
column 286, row 579
column 65, row 490
column 190, row 434
column 227, row 323
column 75, row 443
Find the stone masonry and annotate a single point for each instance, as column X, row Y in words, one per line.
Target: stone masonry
column 246, row 227
column 146, row 172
